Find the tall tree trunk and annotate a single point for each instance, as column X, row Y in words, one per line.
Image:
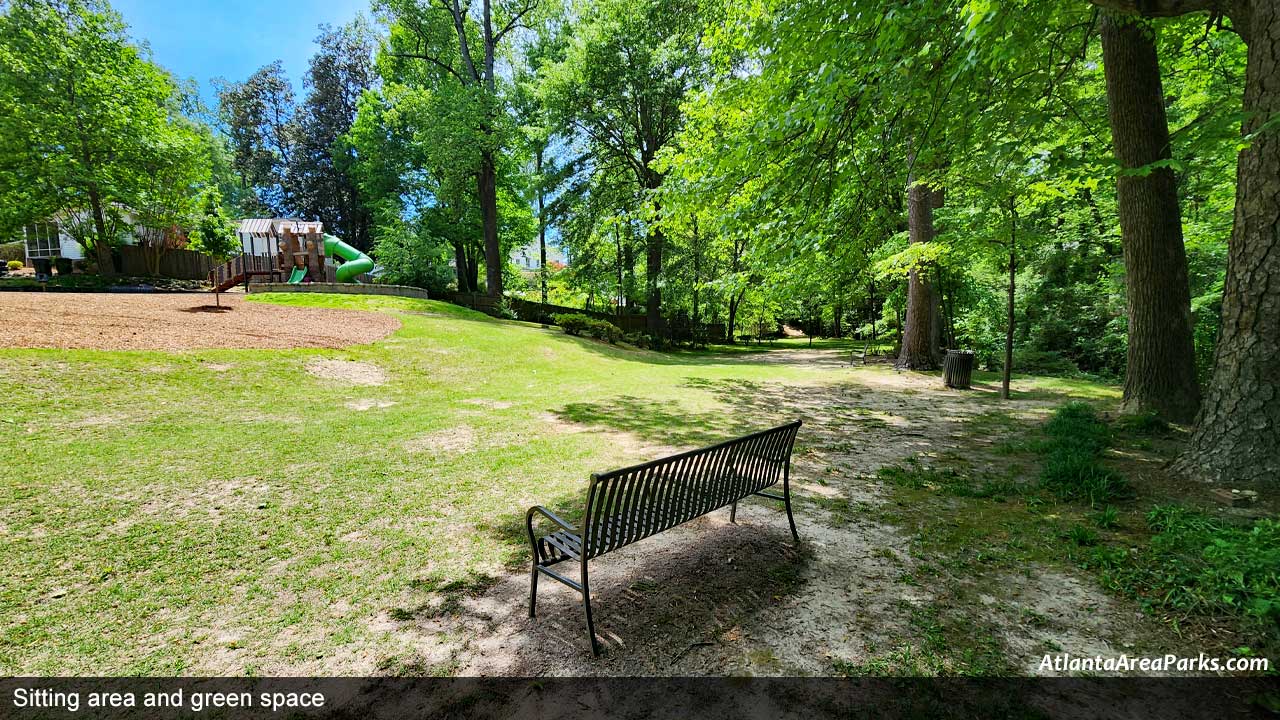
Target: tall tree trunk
column 871, row 294
column 469, row 264
column 542, row 225
column 1013, row 279
column 897, row 313
column 920, row 333
column 617, row 261
column 1160, row 373
column 735, row 301
column 101, row 247
column 1237, row 434
column 629, row 265
column 654, row 246
column 488, row 189
column 697, row 277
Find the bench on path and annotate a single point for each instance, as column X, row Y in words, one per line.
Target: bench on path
column 628, row 505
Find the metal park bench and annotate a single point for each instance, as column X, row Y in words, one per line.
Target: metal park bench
column 625, row 506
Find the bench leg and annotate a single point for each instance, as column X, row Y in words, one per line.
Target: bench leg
column 786, row 498
column 733, row 512
column 586, row 607
column 533, row 591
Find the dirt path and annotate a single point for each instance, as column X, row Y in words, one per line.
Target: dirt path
column 711, row 598
column 177, row 321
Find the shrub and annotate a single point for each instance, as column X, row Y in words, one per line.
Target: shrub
column 1044, row 362
column 14, row 264
column 11, row 251
column 571, row 323
column 637, row 339
column 587, row 326
column 504, row 311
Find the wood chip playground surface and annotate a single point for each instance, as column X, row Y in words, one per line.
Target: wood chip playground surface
column 177, row 321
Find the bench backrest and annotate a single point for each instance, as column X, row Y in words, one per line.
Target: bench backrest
column 630, row 504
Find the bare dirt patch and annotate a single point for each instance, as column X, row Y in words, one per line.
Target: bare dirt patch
column 491, row 404
column 117, row 321
column 353, row 372
column 451, row 440
column 1056, row 611
column 364, row 404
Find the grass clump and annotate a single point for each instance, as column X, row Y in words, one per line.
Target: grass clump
column 1106, row 518
column 1072, row 469
column 940, row 645
column 950, row 481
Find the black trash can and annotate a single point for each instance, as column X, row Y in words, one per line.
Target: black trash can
column 43, row 267
column 957, row 369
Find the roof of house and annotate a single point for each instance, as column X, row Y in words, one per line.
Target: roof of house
column 271, row 227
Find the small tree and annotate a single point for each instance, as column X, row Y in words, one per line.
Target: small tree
column 86, row 114
column 214, row 232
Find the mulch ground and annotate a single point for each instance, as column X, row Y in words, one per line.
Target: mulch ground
column 105, row 321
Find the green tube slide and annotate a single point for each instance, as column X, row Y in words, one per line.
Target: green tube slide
column 354, row 262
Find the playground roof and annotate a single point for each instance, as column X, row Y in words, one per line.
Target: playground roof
column 270, row 227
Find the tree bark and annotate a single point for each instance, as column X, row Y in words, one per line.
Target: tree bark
column 488, row 193
column 871, row 295
column 1160, row 373
column 655, row 245
column 460, row 267
column 1237, row 433
column 920, row 333
column 735, row 301
column 629, row 267
column 1007, row 374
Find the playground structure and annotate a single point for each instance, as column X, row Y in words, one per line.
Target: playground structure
column 292, row 251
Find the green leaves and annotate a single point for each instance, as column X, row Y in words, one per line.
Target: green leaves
column 90, row 121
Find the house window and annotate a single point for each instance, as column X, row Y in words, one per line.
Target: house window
column 42, row 241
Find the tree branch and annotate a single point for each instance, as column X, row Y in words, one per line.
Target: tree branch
column 514, row 22
column 430, row 59
column 1239, row 11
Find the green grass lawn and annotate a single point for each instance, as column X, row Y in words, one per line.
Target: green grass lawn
column 154, row 505
column 229, row 512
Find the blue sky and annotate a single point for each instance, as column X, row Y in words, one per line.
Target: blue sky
column 205, row 39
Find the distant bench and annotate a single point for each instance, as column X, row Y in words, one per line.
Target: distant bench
column 628, row 505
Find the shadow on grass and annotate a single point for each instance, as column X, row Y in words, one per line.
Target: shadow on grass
column 675, row 599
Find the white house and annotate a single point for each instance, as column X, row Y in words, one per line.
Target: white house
column 529, row 257
column 48, row 240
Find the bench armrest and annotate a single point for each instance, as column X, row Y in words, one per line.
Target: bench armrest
column 539, row 510
column 528, row 524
